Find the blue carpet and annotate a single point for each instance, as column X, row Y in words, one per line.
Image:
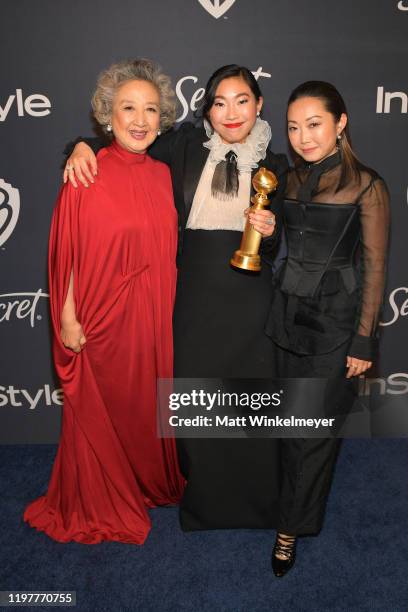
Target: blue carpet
column 359, row 562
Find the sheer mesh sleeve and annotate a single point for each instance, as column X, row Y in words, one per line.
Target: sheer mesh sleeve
column 374, row 215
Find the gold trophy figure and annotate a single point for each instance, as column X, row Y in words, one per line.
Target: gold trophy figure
column 247, row 257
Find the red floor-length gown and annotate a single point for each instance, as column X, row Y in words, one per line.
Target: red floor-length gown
column 119, row 237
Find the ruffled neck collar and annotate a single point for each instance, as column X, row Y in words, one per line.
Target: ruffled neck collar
column 248, row 153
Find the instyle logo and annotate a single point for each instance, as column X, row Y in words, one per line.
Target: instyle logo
column 402, row 6
column 398, row 302
column 198, row 94
column 21, row 306
column 9, row 210
column 217, row 8
column 36, row 105
column 395, row 384
column 10, row 396
column 384, row 101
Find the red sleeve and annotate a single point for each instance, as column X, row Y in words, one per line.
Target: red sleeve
column 62, row 255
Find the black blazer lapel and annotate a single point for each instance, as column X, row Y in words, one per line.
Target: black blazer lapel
column 195, row 159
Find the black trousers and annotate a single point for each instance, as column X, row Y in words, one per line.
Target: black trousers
column 307, row 465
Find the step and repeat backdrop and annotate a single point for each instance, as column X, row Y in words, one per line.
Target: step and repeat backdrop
column 50, row 55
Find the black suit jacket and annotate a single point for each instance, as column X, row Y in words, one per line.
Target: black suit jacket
column 182, row 150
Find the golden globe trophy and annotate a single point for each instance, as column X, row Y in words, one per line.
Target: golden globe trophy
column 247, row 258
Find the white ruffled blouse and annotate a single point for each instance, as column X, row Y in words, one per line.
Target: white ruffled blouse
column 213, row 213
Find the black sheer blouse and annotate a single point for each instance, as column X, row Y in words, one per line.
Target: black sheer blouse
column 323, row 239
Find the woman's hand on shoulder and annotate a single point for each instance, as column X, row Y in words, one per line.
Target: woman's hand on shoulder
column 262, row 220
column 356, row 367
column 72, row 335
column 81, row 165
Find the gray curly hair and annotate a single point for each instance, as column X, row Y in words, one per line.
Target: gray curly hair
column 116, row 75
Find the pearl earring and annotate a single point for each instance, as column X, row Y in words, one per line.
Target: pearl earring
column 109, row 127
column 159, row 132
column 258, row 113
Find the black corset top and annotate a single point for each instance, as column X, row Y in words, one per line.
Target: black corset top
column 321, row 238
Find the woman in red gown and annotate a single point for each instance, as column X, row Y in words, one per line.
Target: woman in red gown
column 112, row 284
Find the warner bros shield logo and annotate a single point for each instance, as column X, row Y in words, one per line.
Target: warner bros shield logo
column 9, row 210
column 216, row 8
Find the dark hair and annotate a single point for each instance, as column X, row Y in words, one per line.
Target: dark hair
column 227, row 72
column 334, row 104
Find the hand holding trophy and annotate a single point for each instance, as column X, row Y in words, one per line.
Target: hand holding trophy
column 247, row 258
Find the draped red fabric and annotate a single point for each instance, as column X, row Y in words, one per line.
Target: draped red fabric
column 119, row 238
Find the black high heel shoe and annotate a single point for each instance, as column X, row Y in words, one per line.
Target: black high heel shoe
column 285, row 546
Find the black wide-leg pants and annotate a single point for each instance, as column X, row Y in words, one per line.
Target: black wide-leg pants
column 307, row 465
